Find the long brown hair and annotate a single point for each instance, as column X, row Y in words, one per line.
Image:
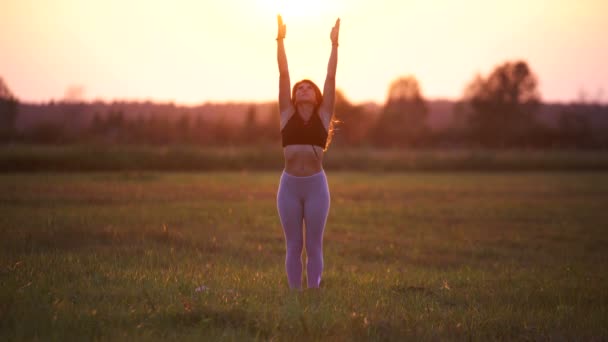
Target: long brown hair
column 319, row 97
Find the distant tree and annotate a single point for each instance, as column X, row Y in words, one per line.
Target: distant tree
column 183, row 134
column 500, row 108
column 201, row 130
column 112, row 127
column 583, row 124
column 74, row 108
column 5, row 92
column 250, row 132
column 351, row 124
column 47, row 132
column 222, row 131
column 96, row 127
column 74, row 119
column 158, row 130
column 9, row 107
column 115, row 123
column 271, row 127
column 137, row 130
column 574, row 129
column 402, row 121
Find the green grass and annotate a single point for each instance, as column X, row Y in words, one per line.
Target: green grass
column 448, row 256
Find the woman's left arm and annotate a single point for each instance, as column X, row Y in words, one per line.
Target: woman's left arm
column 329, row 90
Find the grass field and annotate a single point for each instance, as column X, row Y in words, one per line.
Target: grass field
column 192, row 256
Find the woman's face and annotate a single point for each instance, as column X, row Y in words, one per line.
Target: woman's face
column 305, row 92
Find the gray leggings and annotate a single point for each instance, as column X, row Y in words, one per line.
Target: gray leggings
column 303, row 200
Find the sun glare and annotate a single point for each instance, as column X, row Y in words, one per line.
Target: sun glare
column 297, row 8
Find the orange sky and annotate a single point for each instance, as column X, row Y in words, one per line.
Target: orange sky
column 191, row 51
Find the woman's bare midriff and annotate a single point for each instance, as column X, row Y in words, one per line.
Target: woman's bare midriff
column 301, row 161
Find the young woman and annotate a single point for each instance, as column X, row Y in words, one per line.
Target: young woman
column 303, row 195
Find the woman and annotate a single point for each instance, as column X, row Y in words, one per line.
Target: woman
column 303, row 195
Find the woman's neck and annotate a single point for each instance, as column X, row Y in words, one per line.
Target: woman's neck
column 306, row 110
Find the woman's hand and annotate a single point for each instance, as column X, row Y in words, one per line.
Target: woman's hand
column 282, row 28
column 335, row 31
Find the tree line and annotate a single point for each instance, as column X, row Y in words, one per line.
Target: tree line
column 499, row 110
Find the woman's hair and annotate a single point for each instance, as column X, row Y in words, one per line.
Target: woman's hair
column 319, row 97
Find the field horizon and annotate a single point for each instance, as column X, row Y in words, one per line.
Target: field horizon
column 96, row 157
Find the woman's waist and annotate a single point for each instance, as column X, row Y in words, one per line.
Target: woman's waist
column 302, row 160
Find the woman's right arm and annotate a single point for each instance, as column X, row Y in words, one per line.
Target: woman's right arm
column 284, row 82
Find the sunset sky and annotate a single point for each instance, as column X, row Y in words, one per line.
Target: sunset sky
column 194, row 51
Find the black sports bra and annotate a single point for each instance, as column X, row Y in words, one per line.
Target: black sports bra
column 297, row 132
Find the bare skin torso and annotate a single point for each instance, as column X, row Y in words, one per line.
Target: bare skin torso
column 301, row 161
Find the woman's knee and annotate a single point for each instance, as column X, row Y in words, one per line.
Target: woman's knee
column 314, row 247
column 295, row 246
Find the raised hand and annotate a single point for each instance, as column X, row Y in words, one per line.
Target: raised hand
column 282, row 28
column 335, row 31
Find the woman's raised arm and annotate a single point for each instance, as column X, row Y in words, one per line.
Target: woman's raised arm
column 329, row 90
column 284, row 82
